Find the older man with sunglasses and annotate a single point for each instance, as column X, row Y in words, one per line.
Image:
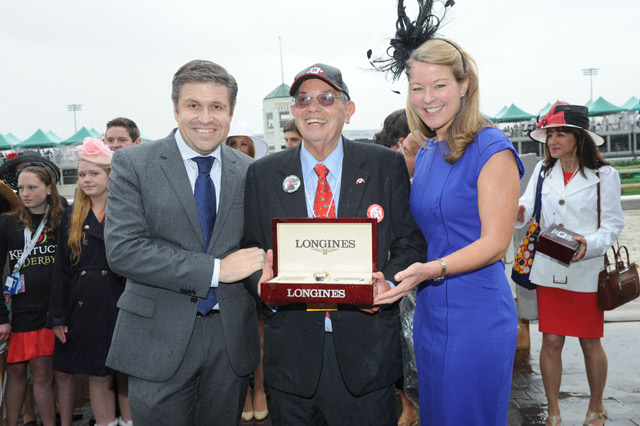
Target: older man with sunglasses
column 338, row 367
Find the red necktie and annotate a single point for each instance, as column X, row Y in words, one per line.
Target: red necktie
column 323, row 205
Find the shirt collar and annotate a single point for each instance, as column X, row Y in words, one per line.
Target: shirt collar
column 188, row 153
column 333, row 161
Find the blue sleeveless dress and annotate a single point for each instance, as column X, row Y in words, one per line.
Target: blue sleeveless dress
column 465, row 326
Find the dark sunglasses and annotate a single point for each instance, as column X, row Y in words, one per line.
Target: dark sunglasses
column 323, row 99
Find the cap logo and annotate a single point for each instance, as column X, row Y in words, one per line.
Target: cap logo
column 316, row 70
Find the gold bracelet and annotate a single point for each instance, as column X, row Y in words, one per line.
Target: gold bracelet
column 443, row 270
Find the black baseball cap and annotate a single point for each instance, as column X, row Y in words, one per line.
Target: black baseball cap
column 330, row 75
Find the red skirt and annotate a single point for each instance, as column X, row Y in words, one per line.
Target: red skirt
column 569, row 313
column 31, row 345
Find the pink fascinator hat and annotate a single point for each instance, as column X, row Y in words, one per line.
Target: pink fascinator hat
column 94, row 151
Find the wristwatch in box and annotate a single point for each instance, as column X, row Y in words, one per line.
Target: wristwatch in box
column 322, row 260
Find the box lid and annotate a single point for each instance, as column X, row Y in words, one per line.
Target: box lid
column 335, row 245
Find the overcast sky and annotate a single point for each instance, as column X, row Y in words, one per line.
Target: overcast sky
column 117, row 57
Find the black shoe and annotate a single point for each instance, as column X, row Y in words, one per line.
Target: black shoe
column 74, row 418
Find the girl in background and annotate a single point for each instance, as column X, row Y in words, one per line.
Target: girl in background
column 84, row 295
column 28, row 236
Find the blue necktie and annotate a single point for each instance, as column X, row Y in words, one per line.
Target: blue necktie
column 205, row 195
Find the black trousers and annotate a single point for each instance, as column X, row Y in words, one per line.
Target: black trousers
column 333, row 404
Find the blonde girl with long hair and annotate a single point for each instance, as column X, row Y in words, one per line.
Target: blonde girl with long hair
column 85, row 292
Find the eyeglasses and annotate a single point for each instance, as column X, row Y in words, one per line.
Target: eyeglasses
column 323, row 99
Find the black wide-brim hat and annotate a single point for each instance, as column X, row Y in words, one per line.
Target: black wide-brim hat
column 562, row 114
column 9, row 169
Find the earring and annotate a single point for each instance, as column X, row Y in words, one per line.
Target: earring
column 463, row 95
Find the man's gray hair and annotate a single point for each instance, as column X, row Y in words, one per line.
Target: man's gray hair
column 199, row 71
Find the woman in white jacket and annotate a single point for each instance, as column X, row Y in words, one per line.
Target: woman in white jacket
column 567, row 295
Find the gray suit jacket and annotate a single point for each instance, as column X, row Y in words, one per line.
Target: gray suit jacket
column 153, row 237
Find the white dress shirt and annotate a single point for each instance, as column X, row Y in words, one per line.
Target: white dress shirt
column 187, row 154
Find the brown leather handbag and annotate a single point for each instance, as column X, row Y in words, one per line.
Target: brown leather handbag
column 619, row 284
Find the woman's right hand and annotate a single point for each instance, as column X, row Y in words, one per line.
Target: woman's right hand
column 520, row 215
column 406, row 281
column 61, row 332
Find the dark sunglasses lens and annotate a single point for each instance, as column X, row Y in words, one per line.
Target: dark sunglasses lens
column 302, row 101
column 326, row 99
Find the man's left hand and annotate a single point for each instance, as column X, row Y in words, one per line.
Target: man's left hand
column 267, row 271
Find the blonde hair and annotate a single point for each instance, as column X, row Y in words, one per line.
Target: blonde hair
column 81, row 208
column 468, row 121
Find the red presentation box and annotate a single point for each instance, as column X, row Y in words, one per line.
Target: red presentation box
column 320, row 260
column 558, row 242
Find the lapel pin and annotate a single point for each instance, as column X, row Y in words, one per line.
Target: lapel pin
column 86, row 227
column 375, row 211
column 291, row 184
column 359, row 181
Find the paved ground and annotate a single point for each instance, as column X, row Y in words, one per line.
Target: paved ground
column 622, row 394
column 528, row 403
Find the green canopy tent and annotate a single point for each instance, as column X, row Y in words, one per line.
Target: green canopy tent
column 487, row 116
column 95, row 133
column 504, row 108
column 38, row 140
column 78, row 137
column 12, row 139
column 512, row 114
column 143, row 138
column 55, row 138
column 601, row 106
column 4, row 142
column 633, row 104
column 545, row 110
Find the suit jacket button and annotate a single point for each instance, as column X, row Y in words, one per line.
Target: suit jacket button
column 80, row 303
column 83, row 273
column 104, row 272
column 194, row 299
column 561, row 202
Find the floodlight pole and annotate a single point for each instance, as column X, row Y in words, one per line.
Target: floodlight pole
column 74, row 108
column 590, row 72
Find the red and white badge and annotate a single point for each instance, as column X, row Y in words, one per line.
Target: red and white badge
column 375, row 211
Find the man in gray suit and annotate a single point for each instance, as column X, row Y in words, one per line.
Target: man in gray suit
column 173, row 229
